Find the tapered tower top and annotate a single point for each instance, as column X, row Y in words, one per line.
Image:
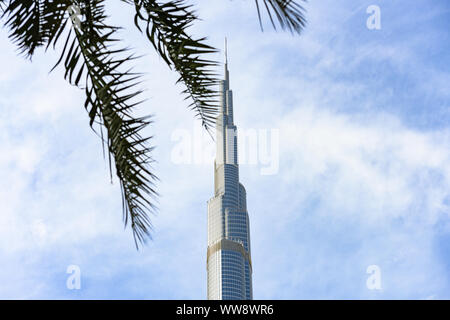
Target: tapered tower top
column 227, row 76
column 226, row 52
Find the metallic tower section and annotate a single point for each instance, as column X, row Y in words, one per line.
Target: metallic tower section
column 229, row 266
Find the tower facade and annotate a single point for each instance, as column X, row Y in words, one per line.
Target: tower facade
column 229, row 266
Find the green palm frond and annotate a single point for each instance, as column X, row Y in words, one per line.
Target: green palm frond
column 166, row 26
column 289, row 14
column 24, row 17
column 110, row 97
column 92, row 62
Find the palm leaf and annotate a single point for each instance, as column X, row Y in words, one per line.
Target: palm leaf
column 93, row 62
column 166, row 25
column 288, row 13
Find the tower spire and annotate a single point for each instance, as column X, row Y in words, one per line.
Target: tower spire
column 226, row 52
column 227, row 75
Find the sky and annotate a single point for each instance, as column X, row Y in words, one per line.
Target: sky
column 353, row 122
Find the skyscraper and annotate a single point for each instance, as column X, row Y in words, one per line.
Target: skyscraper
column 229, row 266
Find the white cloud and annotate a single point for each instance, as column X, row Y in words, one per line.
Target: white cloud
column 378, row 159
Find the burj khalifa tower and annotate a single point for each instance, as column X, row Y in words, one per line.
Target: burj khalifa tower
column 229, row 265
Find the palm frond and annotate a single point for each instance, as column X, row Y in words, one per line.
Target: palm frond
column 110, row 98
column 92, row 62
column 24, row 20
column 166, row 26
column 288, row 13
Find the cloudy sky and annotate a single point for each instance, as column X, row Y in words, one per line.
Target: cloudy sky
column 362, row 176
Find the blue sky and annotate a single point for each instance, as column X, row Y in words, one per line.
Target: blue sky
column 364, row 163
